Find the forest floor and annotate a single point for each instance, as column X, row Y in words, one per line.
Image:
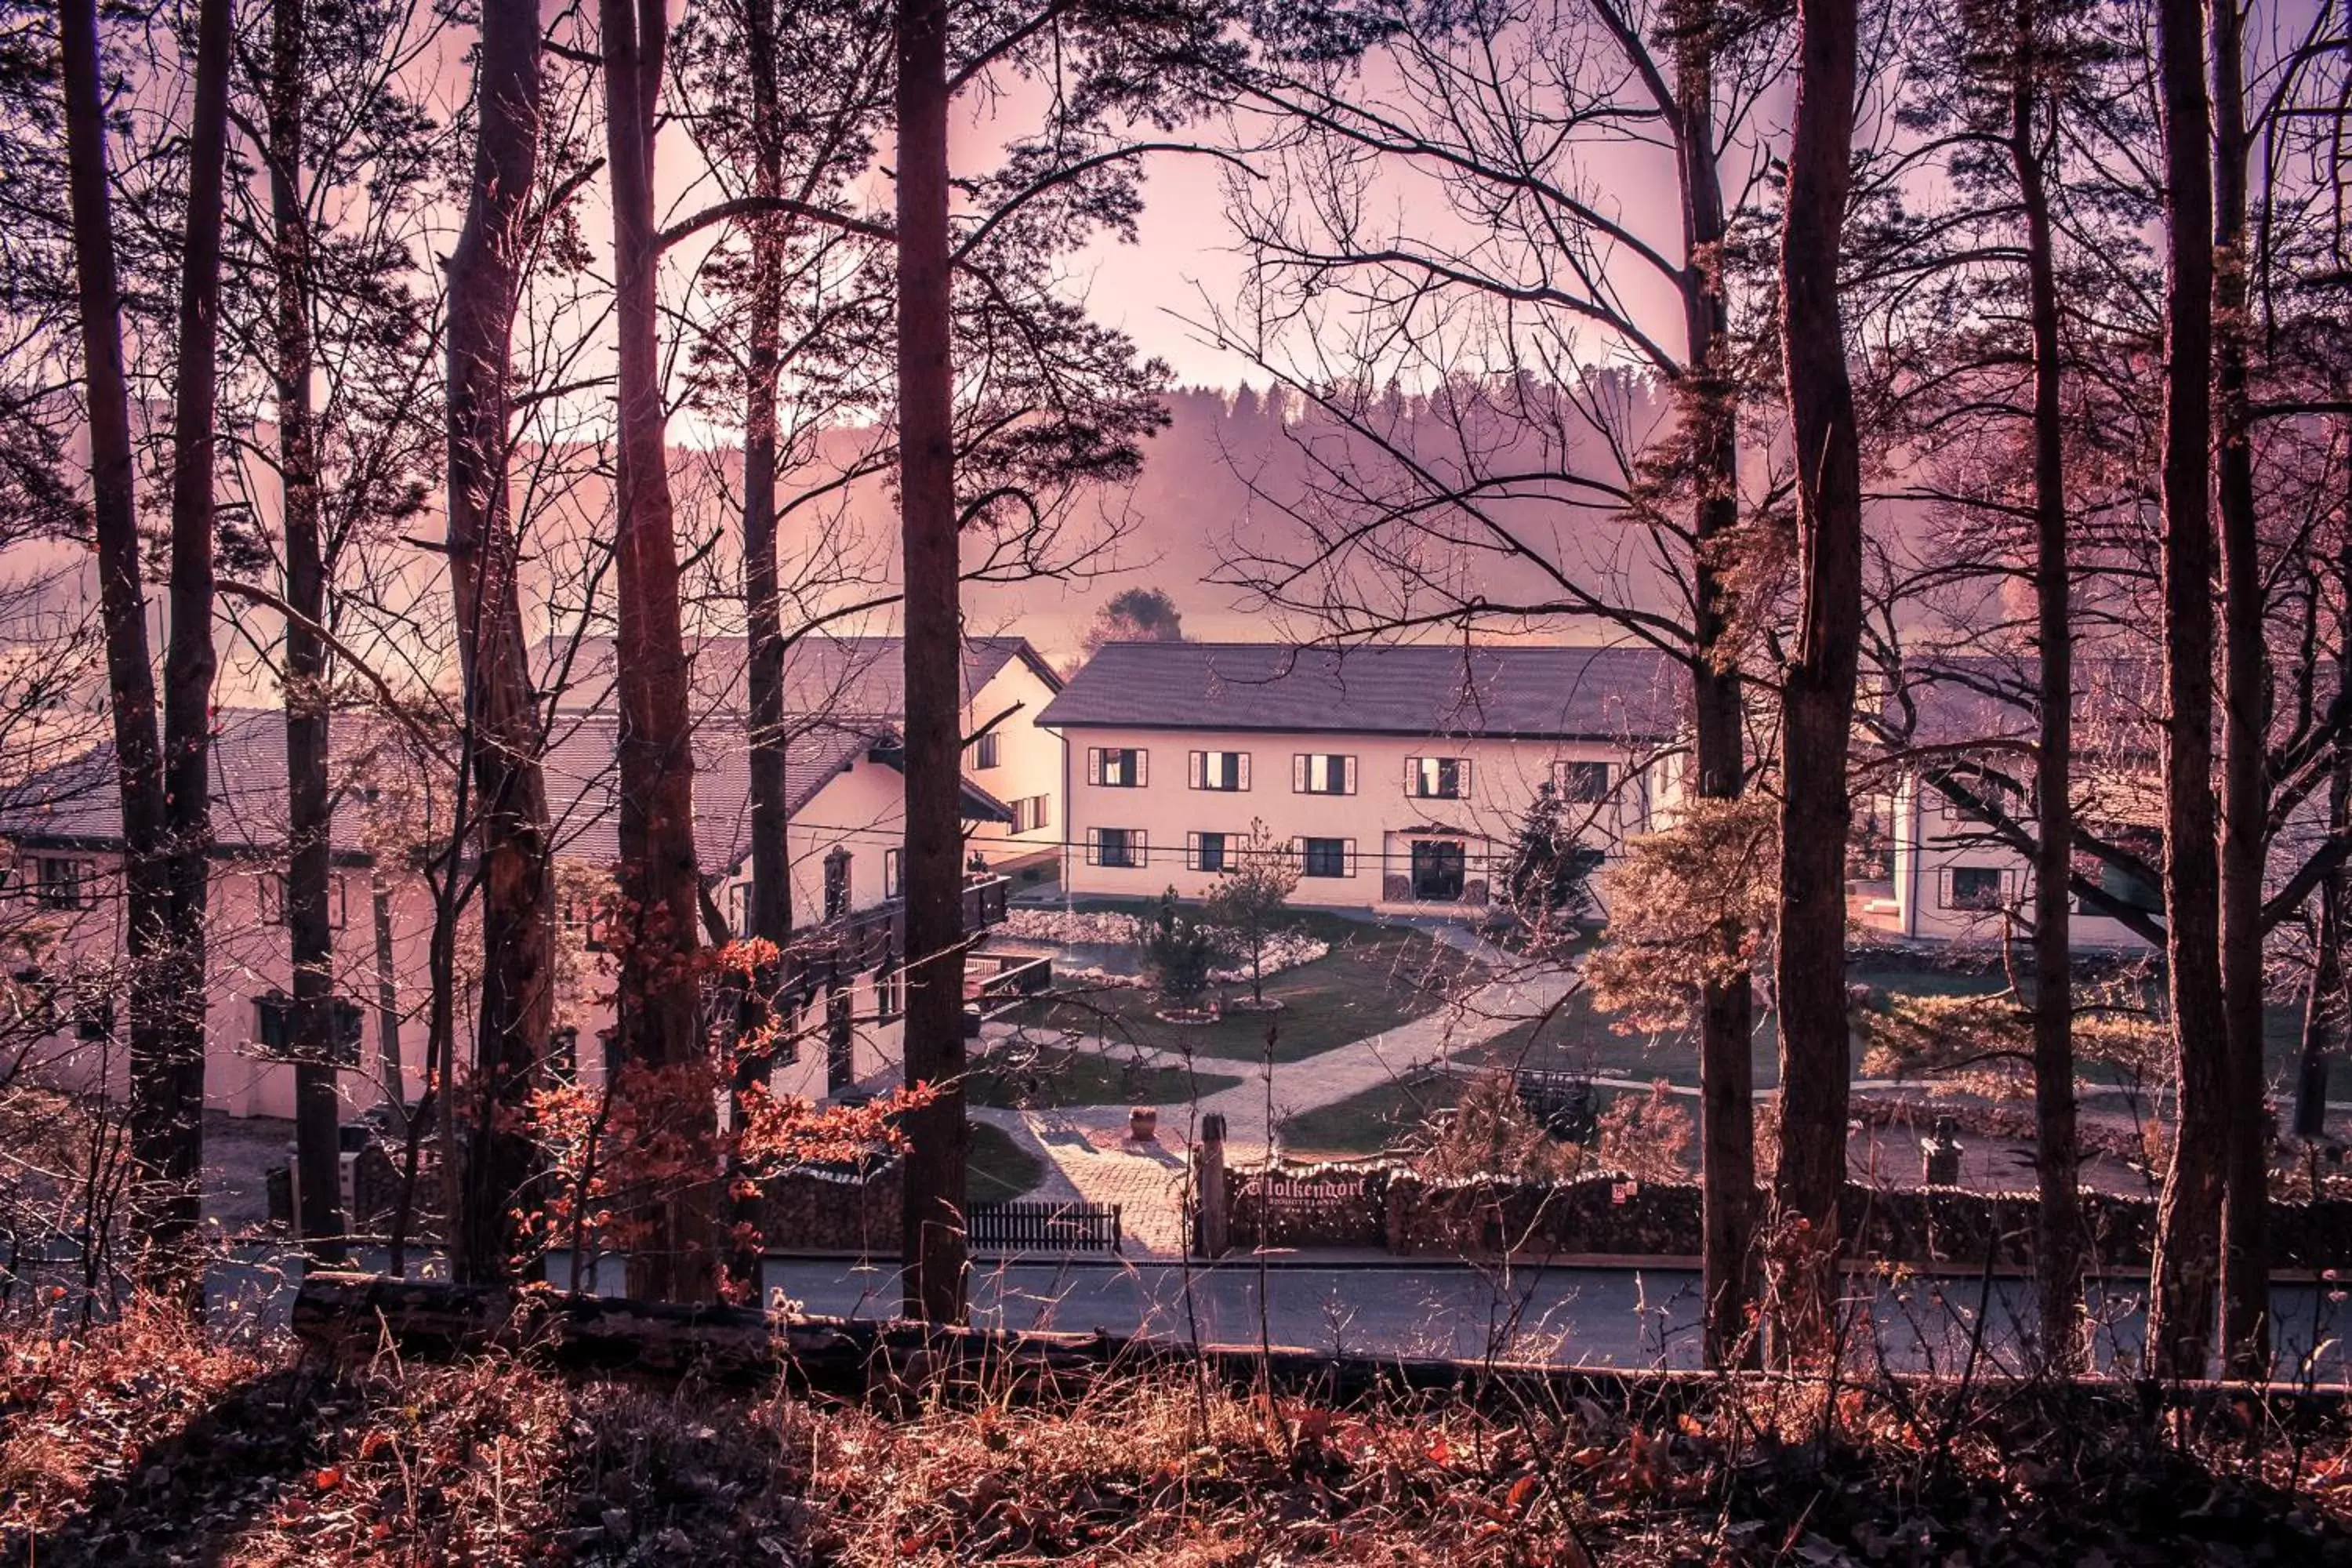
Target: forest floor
column 142, row 1443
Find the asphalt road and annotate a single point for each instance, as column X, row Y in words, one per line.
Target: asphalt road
column 1565, row 1316
column 1593, row 1317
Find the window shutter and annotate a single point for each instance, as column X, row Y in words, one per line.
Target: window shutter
column 1094, row 764
column 1466, row 778
column 1094, row 846
column 1347, row 860
column 1192, row 851
column 1138, row 849
column 1347, row 776
column 1298, row 850
column 1198, row 763
column 1297, row 772
column 1142, row 767
column 1411, row 777
column 1245, row 773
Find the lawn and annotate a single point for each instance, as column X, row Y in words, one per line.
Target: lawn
column 999, row 1170
column 1369, row 1122
column 1374, row 978
column 1058, row 1079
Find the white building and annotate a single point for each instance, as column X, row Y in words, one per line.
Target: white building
column 829, row 679
column 1944, row 826
column 1399, row 776
column 846, row 803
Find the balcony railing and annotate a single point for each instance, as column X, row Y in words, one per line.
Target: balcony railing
column 864, row 939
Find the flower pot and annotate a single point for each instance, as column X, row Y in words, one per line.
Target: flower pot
column 1143, row 1123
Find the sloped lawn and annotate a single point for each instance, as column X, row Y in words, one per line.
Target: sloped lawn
column 1374, row 978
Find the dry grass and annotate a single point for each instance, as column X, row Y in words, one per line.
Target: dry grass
column 140, row 1443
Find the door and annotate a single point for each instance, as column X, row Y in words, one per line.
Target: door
column 1437, row 871
column 836, row 885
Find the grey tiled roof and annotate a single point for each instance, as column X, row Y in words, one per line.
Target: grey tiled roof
column 1957, row 698
column 77, row 802
column 863, row 674
column 1497, row 689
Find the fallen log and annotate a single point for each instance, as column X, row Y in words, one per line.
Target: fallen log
column 356, row 1316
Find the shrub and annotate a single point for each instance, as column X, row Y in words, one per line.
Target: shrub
column 1177, row 949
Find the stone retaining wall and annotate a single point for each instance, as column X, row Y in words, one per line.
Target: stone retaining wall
column 1393, row 1209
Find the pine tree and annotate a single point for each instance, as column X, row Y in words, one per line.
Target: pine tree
column 1548, row 884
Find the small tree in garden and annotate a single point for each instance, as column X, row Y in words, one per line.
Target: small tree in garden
column 1689, row 906
column 1548, row 884
column 1648, row 1137
column 1177, row 950
column 1491, row 1133
column 1251, row 897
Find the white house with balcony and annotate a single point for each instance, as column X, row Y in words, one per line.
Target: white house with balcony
column 61, row 876
column 1399, row 776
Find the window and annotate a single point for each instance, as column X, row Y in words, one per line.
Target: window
column 1328, row 856
column 60, row 883
column 889, row 989
column 894, row 873
column 1204, row 852
column 273, row 1026
column 1116, row 767
column 1220, row 770
column 1585, row 784
column 986, row 751
column 1437, row 778
column 93, row 1013
column 1032, row 813
column 1437, row 871
column 35, row 998
column 564, row 1053
column 1121, row 847
column 277, row 902
column 840, row 1042
column 1317, row 774
column 579, row 916
column 836, row 884
column 1973, row 888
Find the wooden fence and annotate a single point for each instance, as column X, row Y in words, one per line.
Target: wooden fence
column 1044, row 1228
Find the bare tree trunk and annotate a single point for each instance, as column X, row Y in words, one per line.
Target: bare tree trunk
column 2324, row 1011
column 2245, row 793
column 1817, row 688
column 658, row 992
column 1726, row 1021
column 770, row 915
column 2059, row 1239
column 130, row 671
column 2188, row 1214
column 129, row 668
column 515, row 1011
column 2322, row 1004
column 387, row 998
column 771, row 885
column 934, row 1238
column 317, row 1108
column 168, row 1124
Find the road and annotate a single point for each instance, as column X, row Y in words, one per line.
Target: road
column 1591, row 1317
column 1564, row 1316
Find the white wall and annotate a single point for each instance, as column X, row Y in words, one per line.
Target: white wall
column 247, row 956
column 1934, row 841
column 1028, row 763
column 1379, row 818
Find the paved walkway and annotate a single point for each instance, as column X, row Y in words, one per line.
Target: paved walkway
column 1089, row 1156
